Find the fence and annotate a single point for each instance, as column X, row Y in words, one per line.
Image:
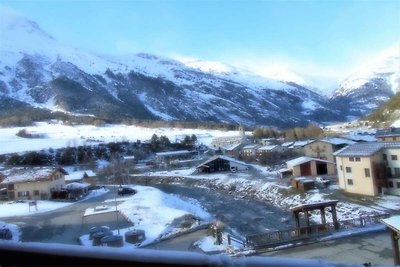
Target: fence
column 275, row 238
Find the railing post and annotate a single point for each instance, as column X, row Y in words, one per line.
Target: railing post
column 229, row 239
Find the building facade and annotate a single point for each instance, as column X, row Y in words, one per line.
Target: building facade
column 324, row 148
column 369, row 168
column 388, row 135
column 33, row 183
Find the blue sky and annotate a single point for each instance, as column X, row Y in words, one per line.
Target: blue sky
column 327, row 38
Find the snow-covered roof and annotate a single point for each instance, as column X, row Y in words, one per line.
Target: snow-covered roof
column 20, row 175
column 224, row 158
column 365, row 149
column 78, row 175
column 229, row 147
column 301, row 143
column 390, row 132
column 171, row 153
column 251, row 146
column 304, row 159
column 75, row 185
column 267, row 148
column 287, row 144
column 392, row 222
column 337, row 141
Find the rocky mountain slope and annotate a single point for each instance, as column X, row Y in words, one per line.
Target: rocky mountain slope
column 371, row 86
column 38, row 72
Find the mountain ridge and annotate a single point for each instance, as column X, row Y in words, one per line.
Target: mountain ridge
column 37, row 70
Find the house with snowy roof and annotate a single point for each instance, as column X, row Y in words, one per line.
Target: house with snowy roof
column 369, row 168
column 307, row 166
column 298, row 146
column 82, row 176
column 249, row 150
column 325, row 147
column 264, row 150
column 388, row 135
column 33, row 182
column 222, row 164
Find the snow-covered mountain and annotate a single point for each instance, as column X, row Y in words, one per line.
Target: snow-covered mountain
column 36, row 70
column 372, row 85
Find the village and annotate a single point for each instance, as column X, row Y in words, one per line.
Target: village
column 328, row 184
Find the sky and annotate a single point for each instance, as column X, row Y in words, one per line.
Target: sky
column 324, row 39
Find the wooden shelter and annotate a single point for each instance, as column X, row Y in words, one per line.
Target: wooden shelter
column 393, row 224
column 321, row 206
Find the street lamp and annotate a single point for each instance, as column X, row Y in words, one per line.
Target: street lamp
column 115, row 201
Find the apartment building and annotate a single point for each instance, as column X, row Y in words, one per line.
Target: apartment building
column 369, row 168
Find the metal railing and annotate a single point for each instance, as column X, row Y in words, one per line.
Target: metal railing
column 276, row 238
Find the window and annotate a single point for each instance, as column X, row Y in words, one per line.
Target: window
column 394, row 138
column 384, row 156
column 351, row 159
column 394, row 157
column 358, row 159
column 383, row 138
column 36, row 192
column 397, row 172
column 348, row 169
column 398, row 185
column 350, row 181
column 389, row 172
column 341, row 167
column 390, row 183
column 367, row 172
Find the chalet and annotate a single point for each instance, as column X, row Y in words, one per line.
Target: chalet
column 298, row 146
column 264, row 150
column 33, row 183
column 324, row 148
column 249, row 150
column 307, row 166
column 86, row 176
column 369, row 168
column 388, row 135
column 230, row 145
column 222, row 164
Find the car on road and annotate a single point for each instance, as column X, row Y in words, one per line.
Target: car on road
column 126, row 191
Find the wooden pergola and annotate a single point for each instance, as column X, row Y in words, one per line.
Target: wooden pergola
column 321, row 206
column 393, row 224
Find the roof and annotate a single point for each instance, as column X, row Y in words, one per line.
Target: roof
column 267, row 148
column 170, row 153
column 78, row 175
column 311, row 206
column 301, row 143
column 224, row 158
column 287, row 144
column 393, row 223
column 251, row 146
column 304, row 159
column 337, row 141
column 21, row 175
column 390, row 132
column 365, row 149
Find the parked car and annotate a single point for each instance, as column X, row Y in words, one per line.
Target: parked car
column 126, row 191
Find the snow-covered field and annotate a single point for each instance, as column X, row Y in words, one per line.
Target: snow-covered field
column 59, row 135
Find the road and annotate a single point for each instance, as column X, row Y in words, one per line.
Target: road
column 66, row 225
